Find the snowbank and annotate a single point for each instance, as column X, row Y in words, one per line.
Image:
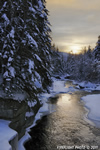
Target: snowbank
column 59, row 86
column 6, row 135
column 87, row 86
column 21, row 142
column 92, row 102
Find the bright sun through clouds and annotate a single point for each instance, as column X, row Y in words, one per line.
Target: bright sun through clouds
column 75, row 49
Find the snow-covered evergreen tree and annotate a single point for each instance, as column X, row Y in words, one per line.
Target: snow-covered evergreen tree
column 25, row 46
column 97, row 49
column 7, row 45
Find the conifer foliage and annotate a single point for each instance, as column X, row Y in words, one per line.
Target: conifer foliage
column 25, row 45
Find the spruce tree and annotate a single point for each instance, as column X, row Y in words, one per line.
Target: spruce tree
column 97, row 49
column 25, row 46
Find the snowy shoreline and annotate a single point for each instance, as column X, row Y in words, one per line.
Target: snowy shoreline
column 59, row 86
column 92, row 103
column 6, row 135
column 87, row 86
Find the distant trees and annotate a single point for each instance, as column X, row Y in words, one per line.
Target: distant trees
column 85, row 66
column 82, row 66
column 58, row 61
column 97, row 49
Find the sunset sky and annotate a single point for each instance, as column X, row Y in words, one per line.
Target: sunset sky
column 75, row 23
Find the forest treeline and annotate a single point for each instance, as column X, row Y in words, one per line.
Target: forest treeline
column 81, row 67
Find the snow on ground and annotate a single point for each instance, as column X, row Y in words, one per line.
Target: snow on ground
column 98, row 88
column 87, row 86
column 59, row 86
column 6, row 134
column 92, row 103
column 21, row 142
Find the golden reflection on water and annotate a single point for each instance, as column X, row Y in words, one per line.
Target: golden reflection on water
column 64, row 99
column 67, row 105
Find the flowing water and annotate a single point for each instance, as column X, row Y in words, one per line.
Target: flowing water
column 66, row 127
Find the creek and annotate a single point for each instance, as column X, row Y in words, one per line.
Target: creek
column 67, row 126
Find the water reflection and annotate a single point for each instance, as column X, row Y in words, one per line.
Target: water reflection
column 65, row 126
column 54, row 128
column 64, row 99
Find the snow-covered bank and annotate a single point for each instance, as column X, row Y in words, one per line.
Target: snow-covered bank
column 87, row 86
column 92, row 103
column 59, row 86
column 6, row 135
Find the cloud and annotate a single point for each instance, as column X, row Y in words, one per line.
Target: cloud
column 75, row 4
column 74, row 22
